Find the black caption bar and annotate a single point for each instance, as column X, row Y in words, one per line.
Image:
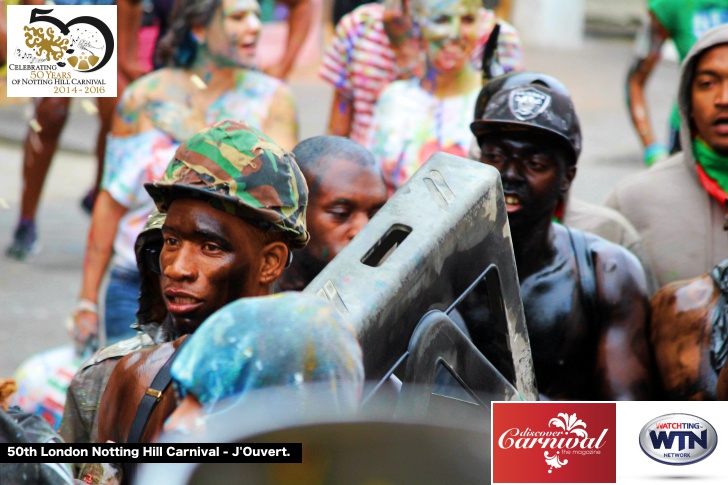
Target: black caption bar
column 151, row 453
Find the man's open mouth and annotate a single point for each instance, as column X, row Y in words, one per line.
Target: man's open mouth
column 182, row 300
column 513, row 202
column 180, row 303
column 250, row 45
column 721, row 125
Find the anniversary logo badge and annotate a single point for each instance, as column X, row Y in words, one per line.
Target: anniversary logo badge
column 61, row 51
column 554, row 442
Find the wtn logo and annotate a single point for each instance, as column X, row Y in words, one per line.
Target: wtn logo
column 678, row 439
column 666, row 438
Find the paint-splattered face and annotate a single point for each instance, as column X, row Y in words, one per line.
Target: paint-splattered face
column 233, row 33
column 449, row 31
column 348, row 195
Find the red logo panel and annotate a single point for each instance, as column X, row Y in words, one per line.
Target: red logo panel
column 554, row 442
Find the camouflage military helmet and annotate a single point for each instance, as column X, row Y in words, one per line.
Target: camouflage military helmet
column 239, row 170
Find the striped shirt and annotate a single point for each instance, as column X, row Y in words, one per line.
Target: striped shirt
column 360, row 62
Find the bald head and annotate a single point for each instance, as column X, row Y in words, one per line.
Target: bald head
column 346, row 189
column 317, row 155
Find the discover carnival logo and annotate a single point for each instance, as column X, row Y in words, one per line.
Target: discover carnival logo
column 678, row 439
column 548, row 442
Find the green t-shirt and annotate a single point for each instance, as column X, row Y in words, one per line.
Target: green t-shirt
column 686, row 21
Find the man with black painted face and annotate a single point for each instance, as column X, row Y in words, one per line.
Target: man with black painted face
column 584, row 298
column 346, row 189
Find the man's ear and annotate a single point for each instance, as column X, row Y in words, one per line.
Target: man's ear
column 568, row 178
column 274, row 257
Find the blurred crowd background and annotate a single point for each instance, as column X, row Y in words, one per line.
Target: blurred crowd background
column 587, row 44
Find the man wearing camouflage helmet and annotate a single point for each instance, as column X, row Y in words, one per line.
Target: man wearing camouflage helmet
column 210, row 77
column 235, row 208
column 584, row 298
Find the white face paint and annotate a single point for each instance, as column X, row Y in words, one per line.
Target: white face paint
column 450, row 31
column 233, row 33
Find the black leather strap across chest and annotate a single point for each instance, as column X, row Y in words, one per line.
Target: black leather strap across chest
column 150, row 400
column 587, row 275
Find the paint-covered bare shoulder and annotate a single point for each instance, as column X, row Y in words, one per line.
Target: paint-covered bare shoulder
column 129, row 112
column 686, row 295
column 678, row 310
column 620, row 275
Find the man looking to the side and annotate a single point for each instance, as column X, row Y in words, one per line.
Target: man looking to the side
column 346, row 189
column 210, row 76
column 235, row 207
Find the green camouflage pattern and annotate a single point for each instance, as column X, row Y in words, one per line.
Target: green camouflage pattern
column 239, row 170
